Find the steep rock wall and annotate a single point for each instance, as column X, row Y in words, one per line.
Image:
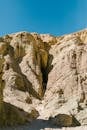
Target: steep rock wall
column 44, row 73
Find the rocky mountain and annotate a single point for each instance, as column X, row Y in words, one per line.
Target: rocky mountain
column 43, row 78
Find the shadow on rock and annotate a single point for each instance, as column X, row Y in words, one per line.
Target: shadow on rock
column 38, row 124
column 64, row 120
column 11, row 115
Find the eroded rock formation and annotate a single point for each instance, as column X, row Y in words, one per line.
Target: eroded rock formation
column 45, row 76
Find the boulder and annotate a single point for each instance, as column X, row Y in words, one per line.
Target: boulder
column 62, row 120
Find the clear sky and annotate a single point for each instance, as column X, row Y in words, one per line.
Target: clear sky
column 56, row 17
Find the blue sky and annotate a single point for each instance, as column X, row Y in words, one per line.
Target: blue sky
column 56, row 17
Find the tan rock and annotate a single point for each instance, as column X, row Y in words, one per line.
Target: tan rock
column 33, row 64
column 67, row 76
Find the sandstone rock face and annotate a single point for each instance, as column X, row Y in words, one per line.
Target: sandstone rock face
column 67, row 76
column 45, row 76
column 20, row 73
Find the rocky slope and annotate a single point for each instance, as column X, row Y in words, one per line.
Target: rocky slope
column 43, row 77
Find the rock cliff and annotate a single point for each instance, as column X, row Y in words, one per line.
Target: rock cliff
column 44, row 77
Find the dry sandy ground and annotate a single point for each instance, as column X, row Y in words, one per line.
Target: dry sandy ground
column 42, row 125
